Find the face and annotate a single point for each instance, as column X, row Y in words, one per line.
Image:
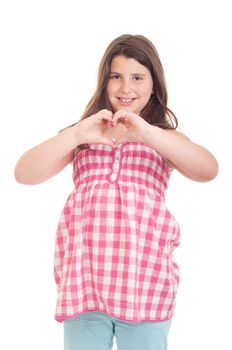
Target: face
column 130, row 85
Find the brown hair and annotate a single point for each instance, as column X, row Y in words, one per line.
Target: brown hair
column 142, row 50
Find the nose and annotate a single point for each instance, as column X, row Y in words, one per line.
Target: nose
column 126, row 86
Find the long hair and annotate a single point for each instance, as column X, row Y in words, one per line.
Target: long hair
column 156, row 112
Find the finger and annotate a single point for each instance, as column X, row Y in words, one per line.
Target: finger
column 106, row 117
column 119, row 114
column 119, row 118
column 121, row 111
column 105, row 110
column 106, row 121
column 120, row 140
column 107, row 141
column 106, row 113
column 125, row 120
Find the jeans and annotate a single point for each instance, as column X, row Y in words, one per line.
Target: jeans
column 95, row 331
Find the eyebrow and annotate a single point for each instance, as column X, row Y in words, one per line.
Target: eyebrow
column 142, row 74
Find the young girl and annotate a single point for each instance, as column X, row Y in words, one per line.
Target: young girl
column 114, row 268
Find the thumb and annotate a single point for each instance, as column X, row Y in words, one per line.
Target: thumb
column 120, row 140
column 106, row 141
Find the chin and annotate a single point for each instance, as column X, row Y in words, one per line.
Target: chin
column 128, row 109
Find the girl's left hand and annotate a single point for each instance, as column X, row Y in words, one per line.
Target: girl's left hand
column 136, row 126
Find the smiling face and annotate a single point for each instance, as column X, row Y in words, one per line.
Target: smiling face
column 130, row 85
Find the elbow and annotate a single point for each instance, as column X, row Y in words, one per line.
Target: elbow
column 210, row 172
column 19, row 175
column 202, row 172
column 22, row 173
column 213, row 172
column 213, row 168
column 23, row 176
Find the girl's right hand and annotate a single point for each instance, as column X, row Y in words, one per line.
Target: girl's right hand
column 51, row 156
column 90, row 130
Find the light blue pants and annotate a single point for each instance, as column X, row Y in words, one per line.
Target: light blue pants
column 96, row 330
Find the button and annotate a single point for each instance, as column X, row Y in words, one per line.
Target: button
column 116, row 163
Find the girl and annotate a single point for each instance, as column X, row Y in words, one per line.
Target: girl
column 114, row 268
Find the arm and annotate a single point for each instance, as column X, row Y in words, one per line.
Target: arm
column 51, row 156
column 189, row 158
column 46, row 159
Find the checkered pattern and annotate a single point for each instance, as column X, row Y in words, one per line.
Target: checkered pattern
column 115, row 237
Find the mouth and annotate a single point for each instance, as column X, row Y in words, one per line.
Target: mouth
column 126, row 101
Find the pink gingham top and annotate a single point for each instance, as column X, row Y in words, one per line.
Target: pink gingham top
column 115, row 237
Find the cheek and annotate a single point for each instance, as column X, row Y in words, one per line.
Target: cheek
column 147, row 94
column 107, row 90
column 150, row 91
column 110, row 89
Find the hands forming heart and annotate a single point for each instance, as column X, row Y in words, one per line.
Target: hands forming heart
column 103, row 127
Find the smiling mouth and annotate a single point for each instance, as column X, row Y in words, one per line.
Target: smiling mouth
column 126, row 100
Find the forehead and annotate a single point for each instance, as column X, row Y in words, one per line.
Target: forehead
column 124, row 64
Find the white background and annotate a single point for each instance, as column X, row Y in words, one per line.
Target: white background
column 50, row 51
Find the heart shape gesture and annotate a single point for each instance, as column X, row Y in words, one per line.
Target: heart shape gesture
column 113, row 129
column 135, row 127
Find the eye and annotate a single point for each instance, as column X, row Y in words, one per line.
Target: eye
column 137, row 78
column 115, row 76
